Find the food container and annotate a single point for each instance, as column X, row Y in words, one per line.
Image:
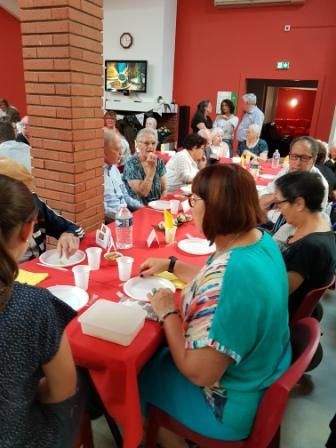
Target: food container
column 113, row 321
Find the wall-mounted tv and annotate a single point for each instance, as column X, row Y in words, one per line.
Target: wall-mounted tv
column 126, row 76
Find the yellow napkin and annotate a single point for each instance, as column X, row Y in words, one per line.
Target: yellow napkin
column 30, row 277
column 168, row 219
column 179, row 284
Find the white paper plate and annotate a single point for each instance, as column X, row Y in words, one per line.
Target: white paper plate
column 139, row 287
column 159, row 205
column 196, row 246
column 71, row 295
column 51, row 258
column 267, row 176
column 186, row 189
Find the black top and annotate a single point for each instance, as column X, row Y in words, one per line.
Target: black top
column 31, row 327
column 199, row 118
column 314, row 258
column 330, row 177
column 22, row 138
column 331, row 164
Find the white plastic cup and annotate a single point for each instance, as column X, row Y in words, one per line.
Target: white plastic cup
column 170, row 235
column 174, row 206
column 81, row 276
column 94, row 257
column 236, row 160
column 125, row 265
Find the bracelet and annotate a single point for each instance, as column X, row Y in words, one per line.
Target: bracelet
column 172, row 263
column 166, row 314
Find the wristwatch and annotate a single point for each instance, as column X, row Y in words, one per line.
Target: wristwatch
column 171, row 265
column 169, row 312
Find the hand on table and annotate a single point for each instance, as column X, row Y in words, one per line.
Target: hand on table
column 153, row 266
column 162, row 301
column 67, row 244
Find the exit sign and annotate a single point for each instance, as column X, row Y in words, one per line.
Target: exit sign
column 282, row 65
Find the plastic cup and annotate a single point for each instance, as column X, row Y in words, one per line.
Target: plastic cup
column 125, row 265
column 94, row 256
column 174, row 206
column 236, row 160
column 81, row 276
column 170, row 235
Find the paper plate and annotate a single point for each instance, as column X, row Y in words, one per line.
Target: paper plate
column 51, row 258
column 71, row 295
column 139, row 287
column 267, row 176
column 196, row 246
column 159, row 205
column 186, row 189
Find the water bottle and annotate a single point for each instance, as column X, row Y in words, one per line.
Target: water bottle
column 276, row 159
column 124, row 228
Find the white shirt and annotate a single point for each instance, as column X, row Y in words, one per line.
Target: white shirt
column 17, row 151
column 227, row 124
column 181, row 169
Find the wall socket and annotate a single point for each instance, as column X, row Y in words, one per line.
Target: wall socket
column 287, row 28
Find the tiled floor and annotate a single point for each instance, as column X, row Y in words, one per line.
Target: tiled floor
column 311, row 406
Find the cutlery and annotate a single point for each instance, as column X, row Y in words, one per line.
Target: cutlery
column 52, row 267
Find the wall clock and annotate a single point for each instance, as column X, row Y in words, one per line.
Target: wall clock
column 126, row 40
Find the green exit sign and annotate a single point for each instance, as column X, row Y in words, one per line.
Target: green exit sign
column 282, row 65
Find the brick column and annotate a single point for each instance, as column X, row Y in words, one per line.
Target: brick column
column 63, row 66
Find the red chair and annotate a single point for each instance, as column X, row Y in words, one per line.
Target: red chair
column 85, row 438
column 305, row 336
column 309, row 302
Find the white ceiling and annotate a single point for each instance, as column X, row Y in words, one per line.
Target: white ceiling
column 12, row 6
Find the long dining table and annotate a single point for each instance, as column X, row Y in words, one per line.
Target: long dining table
column 114, row 368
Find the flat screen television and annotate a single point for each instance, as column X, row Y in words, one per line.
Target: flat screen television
column 123, row 76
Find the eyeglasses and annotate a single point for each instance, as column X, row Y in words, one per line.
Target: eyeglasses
column 192, row 201
column 304, row 159
column 148, row 143
column 277, row 203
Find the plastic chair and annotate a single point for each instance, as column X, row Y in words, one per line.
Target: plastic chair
column 309, row 302
column 305, row 336
column 85, row 438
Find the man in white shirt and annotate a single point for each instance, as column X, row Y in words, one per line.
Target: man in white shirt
column 12, row 149
column 183, row 167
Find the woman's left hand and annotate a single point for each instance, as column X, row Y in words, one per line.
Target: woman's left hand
column 162, row 301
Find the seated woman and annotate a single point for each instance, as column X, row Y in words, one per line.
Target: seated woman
column 253, row 142
column 38, row 406
column 183, row 167
column 201, row 118
column 310, row 250
column 144, row 173
column 233, row 317
column 227, row 121
column 218, row 148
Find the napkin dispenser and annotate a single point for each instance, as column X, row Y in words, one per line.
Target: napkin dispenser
column 113, row 321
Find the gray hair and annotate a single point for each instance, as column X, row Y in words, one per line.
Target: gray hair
column 250, row 98
column 255, row 128
column 153, row 121
column 217, row 131
column 147, row 131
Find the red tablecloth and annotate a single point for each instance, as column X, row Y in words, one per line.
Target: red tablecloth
column 114, row 368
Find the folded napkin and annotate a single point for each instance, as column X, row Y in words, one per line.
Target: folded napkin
column 31, row 278
column 179, row 284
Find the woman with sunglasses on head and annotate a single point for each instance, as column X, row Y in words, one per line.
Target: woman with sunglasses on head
column 212, row 375
column 144, row 173
column 306, row 240
column 39, row 406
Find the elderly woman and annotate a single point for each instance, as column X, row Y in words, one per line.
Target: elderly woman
column 218, row 148
column 151, row 123
column 253, row 142
column 213, row 373
column 144, row 173
column 183, row 167
column 306, row 241
column 201, row 118
column 227, row 121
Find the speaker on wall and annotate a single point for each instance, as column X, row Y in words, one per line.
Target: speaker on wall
column 183, row 124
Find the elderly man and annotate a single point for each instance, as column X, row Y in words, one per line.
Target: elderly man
column 252, row 115
column 24, row 134
column 9, row 147
column 302, row 156
column 331, row 163
column 48, row 222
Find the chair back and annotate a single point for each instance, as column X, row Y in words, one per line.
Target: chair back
column 305, row 337
column 309, row 302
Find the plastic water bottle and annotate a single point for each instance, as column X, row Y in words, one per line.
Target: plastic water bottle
column 276, row 159
column 124, row 228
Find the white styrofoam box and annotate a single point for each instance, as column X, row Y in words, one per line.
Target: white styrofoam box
column 113, row 321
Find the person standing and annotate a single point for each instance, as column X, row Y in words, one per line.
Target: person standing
column 201, row 118
column 252, row 115
column 227, row 121
column 9, row 113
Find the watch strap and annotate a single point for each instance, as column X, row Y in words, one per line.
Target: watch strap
column 172, row 263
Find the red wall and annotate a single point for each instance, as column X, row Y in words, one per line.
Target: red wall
column 218, row 48
column 11, row 72
column 304, row 108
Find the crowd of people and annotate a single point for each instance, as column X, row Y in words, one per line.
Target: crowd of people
column 210, row 375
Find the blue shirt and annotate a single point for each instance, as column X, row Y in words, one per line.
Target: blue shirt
column 257, row 149
column 115, row 193
column 255, row 116
column 17, row 151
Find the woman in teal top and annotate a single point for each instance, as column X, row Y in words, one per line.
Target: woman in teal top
column 230, row 340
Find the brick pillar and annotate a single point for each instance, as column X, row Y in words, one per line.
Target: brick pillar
column 63, row 64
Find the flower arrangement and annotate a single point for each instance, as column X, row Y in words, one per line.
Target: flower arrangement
column 163, row 133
